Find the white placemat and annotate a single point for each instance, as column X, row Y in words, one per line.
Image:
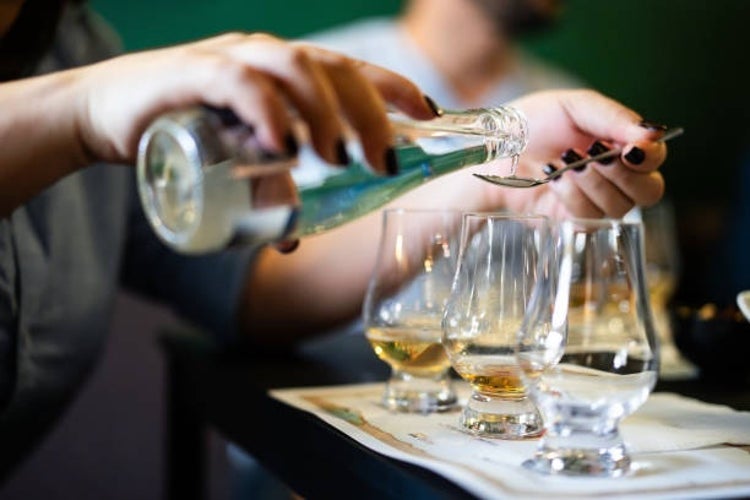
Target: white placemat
column 682, row 448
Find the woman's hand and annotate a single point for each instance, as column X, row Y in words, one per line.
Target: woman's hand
column 264, row 80
column 563, row 120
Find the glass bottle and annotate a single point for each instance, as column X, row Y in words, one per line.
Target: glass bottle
column 201, row 173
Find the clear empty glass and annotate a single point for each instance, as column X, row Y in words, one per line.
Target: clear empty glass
column 588, row 348
column 498, row 266
column 404, row 306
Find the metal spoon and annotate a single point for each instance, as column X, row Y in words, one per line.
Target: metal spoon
column 515, row 181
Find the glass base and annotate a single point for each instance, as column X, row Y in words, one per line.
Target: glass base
column 489, row 416
column 406, row 393
column 560, row 456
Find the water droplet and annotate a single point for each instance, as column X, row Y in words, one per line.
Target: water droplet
column 513, row 164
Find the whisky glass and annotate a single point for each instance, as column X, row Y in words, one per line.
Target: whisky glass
column 499, row 262
column 588, row 349
column 662, row 272
column 404, row 306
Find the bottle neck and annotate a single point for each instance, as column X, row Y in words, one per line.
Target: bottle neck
column 502, row 132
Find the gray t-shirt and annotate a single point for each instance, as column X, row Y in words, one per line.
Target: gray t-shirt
column 63, row 255
column 384, row 42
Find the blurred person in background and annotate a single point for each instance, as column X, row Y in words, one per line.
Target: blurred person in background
column 462, row 53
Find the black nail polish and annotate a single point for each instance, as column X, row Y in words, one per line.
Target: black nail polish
column 436, row 110
column 287, row 246
column 571, row 156
column 549, row 169
column 291, row 144
column 341, row 155
column 598, row 148
column 391, row 162
column 648, row 125
column 635, row 156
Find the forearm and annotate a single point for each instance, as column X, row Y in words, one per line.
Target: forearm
column 322, row 284
column 39, row 134
column 319, row 286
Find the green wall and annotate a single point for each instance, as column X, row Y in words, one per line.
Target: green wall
column 676, row 61
column 144, row 23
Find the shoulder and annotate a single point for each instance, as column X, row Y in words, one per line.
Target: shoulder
column 83, row 37
column 359, row 38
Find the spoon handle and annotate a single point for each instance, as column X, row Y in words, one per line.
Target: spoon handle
column 669, row 134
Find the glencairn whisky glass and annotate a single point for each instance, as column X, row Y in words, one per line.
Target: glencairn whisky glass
column 404, row 306
column 587, row 348
column 499, row 262
column 662, row 272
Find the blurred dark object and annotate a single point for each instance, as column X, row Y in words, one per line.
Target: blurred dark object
column 29, row 38
column 716, row 339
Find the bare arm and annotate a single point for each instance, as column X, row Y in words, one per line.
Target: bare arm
column 52, row 125
column 40, row 139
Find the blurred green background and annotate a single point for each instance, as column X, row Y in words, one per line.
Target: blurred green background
column 675, row 61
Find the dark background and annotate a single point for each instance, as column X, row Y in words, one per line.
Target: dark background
column 676, row 61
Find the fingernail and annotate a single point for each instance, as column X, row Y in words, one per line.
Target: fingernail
column 571, row 156
column 549, row 169
column 287, row 246
column 291, row 144
column 598, row 148
column 648, row 125
column 341, row 154
column 436, row 110
column 391, row 162
column 635, row 156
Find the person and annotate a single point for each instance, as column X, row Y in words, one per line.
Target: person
column 463, row 53
column 71, row 230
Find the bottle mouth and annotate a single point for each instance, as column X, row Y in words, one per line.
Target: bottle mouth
column 506, row 131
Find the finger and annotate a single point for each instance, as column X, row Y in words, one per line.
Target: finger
column 286, row 246
column 613, row 187
column 604, row 118
column 574, row 199
column 400, row 92
column 362, row 89
column 255, row 99
column 643, row 188
column 599, row 191
column 273, row 190
column 599, row 116
column 644, row 156
column 603, row 193
column 365, row 111
column 394, row 88
column 304, row 83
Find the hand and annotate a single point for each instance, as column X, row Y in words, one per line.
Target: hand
column 264, row 80
column 563, row 120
